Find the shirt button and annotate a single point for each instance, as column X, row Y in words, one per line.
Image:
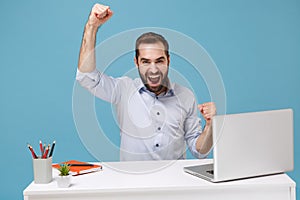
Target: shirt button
column 158, row 128
column 158, row 113
column 157, row 145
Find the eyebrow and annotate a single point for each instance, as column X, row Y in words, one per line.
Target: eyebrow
column 160, row 58
column 157, row 59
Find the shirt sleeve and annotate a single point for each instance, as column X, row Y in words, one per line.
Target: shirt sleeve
column 102, row 86
column 193, row 130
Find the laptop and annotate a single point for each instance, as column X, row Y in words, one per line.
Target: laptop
column 249, row 145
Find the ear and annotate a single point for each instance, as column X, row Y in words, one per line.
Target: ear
column 136, row 62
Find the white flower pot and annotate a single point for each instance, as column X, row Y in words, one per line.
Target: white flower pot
column 64, row 181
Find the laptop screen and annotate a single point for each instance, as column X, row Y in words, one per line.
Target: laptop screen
column 253, row 144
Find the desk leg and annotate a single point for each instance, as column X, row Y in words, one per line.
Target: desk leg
column 293, row 193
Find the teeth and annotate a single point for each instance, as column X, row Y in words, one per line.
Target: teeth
column 154, row 76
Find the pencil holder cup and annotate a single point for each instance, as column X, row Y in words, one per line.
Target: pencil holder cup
column 42, row 170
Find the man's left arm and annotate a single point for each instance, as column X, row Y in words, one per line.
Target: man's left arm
column 204, row 141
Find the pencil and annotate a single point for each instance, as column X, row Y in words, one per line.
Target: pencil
column 41, row 147
column 32, row 151
column 52, row 148
column 46, row 151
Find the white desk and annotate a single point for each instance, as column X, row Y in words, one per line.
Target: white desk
column 168, row 181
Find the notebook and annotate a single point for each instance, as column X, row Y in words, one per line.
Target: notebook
column 78, row 167
column 249, row 145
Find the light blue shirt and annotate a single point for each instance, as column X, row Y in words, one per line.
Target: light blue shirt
column 151, row 127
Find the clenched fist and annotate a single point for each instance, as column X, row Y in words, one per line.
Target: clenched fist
column 208, row 110
column 99, row 15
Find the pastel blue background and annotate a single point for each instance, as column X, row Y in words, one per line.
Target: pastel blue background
column 255, row 45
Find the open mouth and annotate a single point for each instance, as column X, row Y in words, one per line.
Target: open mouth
column 154, row 79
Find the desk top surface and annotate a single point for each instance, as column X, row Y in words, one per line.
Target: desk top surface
column 149, row 175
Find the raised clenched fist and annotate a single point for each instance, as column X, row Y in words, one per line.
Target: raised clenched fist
column 99, row 15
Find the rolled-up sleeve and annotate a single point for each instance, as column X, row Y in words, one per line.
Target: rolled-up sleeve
column 193, row 130
column 100, row 85
column 88, row 80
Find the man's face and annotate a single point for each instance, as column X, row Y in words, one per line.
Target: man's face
column 153, row 66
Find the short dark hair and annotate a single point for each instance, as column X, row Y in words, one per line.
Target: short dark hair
column 151, row 38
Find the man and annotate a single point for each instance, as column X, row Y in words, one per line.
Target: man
column 156, row 118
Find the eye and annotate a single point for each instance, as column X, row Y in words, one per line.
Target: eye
column 145, row 62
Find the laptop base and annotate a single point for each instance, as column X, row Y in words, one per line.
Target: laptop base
column 201, row 171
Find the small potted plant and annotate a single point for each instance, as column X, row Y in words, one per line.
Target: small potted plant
column 64, row 178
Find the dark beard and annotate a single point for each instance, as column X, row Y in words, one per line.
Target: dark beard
column 158, row 90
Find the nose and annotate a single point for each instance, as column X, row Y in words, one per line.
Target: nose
column 153, row 68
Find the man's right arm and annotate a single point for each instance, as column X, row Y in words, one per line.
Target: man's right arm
column 100, row 85
column 98, row 16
